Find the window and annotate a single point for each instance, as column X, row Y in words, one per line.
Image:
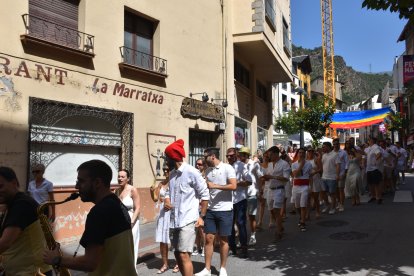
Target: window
column 286, row 41
column 261, row 91
column 284, row 86
column 262, row 141
column 138, row 41
column 241, row 132
column 293, row 104
column 241, row 74
column 284, row 103
column 55, row 21
column 270, row 13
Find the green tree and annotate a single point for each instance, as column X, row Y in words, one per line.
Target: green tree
column 314, row 118
column 405, row 8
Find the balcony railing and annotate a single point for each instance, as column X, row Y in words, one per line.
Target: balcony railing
column 58, row 34
column 270, row 13
column 143, row 60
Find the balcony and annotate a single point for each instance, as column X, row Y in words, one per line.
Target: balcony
column 257, row 43
column 42, row 32
column 142, row 62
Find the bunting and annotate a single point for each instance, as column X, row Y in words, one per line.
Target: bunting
column 358, row 119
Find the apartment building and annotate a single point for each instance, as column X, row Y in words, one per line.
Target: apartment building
column 119, row 80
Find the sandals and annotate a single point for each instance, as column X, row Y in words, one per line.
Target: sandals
column 176, row 269
column 162, row 269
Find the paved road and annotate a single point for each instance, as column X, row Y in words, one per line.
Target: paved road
column 369, row 239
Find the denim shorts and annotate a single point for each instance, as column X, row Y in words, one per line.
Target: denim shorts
column 220, row 222
column 329, row 185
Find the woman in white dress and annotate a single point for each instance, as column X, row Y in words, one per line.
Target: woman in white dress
column 129, row 196
column 163, row 221
column 315, row 181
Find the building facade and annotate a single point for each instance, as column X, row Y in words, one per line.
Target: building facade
column 119, row 81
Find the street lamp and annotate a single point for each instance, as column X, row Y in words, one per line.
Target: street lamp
column 301, row 91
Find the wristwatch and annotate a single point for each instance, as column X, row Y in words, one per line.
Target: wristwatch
column 56, row 262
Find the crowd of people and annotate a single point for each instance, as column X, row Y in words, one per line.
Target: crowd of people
column 219, row 201
column 213, row 204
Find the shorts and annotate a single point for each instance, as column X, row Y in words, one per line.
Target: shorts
column 374, row 177
column 329, row 185
column 275, row 198
column 300, row 195
column 182, row 239
column 220, row 222
column 252, row 206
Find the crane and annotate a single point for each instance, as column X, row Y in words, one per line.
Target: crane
column 329, row 88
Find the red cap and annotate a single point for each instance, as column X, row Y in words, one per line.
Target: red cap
column 175, row 151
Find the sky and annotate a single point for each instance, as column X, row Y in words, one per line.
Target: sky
column 366, row 39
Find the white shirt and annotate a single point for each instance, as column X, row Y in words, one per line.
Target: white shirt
column 343, row 157
column 241, row 175
column 280, row 168
column 403, row 155
column 187, row 187
column 255, row 171
column 372, row 163
column 220, row 200
column 40, row 194
column 306, row 170
column 329, row 162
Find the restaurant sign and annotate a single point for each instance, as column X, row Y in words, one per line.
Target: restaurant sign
column 204, row 110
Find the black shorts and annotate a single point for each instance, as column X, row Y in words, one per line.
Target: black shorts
column 374, row 177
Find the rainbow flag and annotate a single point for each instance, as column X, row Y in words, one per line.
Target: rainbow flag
column 358, row 119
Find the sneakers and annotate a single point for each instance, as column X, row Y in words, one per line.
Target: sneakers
column 223, row 272
column 206, row 272
column 302, row 227
column 341, row 208
column 332, row 211
column 252, row 240
column 324, row 210
column 238, row 245
column 195, row 252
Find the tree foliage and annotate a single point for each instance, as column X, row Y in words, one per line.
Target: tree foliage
column 405, row 8
column 314, row 118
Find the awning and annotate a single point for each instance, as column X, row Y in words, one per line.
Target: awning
column 358, row 119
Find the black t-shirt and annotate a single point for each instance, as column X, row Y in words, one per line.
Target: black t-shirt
column 21, row 212
column 107, row 218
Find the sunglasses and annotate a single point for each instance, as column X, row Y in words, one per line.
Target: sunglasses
column 36, row 171
column 199, row 164
column 230, row 155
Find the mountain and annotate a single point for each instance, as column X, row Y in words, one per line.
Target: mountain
column 358, row 86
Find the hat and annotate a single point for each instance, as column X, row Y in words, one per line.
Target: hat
column 244, row 150
column 175, row 151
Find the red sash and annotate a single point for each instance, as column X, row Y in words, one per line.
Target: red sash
column 300, row 182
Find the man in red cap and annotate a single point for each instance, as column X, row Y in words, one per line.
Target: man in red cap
column 187, row 187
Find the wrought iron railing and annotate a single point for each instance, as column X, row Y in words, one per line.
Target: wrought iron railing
column 270, row 12
column 58, row 34
column 143, row 60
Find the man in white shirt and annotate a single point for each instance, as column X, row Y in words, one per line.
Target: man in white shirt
column 244, row 180
column 374, row 176
column 253, row 169
column 187, row 187
column 279, row 176
column 401, row 162
column 221, row 180
column 343, row 157
column 330, row 176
